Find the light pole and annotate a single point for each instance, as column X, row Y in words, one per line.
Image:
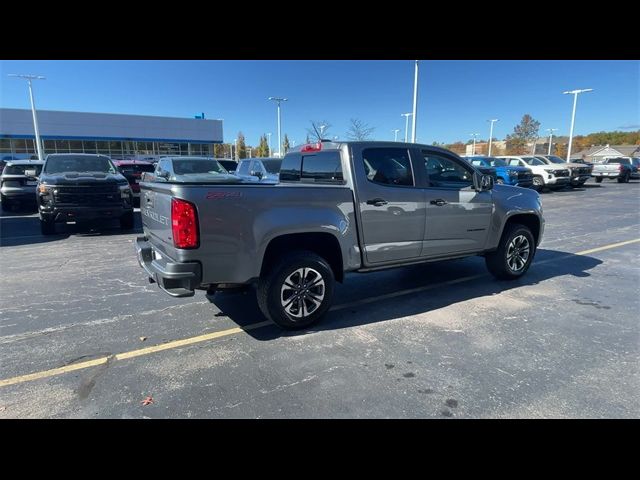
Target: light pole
column 550, row 130
column 269, row 135
column 279, row 100
column 406, row 125
column 573, row 114
column 235, row 147
column 493, row 120
column 395, row 131
column 322, row 127
column 474, row 135
column 415, row 105
column 249, row 151
column 28, row 78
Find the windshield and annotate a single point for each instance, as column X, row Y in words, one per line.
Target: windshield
column 73, row 163
column 533, row 161
column 272, row 166
column 554, row 159
column 197, row 166
column 20, row 169
column 497, row 162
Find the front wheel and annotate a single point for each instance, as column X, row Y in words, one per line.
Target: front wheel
column 538, row 183
column 598, row 179
column 47, row 227
column 6, row 203
column 297, row 290
column 514, row 253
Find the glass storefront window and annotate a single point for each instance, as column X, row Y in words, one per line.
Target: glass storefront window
column 62, row 146
column 5, row 145
column 90, row 146
column 75, row 146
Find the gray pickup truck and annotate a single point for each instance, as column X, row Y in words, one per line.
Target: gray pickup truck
column 338, row 207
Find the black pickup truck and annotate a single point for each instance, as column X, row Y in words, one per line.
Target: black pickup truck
column 82, row 187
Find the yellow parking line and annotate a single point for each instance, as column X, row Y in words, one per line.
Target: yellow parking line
column 232, row 331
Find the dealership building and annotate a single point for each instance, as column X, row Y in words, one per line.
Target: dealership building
column 110, row 134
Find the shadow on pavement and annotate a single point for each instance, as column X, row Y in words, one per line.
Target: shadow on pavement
column 361, row 299
column 23, row 228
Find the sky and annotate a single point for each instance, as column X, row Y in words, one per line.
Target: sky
column 455, row 98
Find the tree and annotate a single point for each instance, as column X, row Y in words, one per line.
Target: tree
column 241, row 147
column 307, row 140
column 285, row 144
column 359, row 130
column 219, row 149
column 318, row 130
column 457, row 147
column 523, row 133
column 263, row 147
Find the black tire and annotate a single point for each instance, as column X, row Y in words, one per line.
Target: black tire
column 598, row 179
column 538, row 183
column 627, row 178
column 6, row 203
column 270, row 286
column 47, row 227
column 497, row 261
column 126, row 221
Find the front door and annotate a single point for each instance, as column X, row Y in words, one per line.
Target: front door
column 392, row 208
column 458, row 217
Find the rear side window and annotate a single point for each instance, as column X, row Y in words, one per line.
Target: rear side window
column 388, row 166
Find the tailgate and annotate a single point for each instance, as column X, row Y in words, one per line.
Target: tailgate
column 155, row 210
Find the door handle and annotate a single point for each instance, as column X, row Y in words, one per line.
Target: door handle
column 377, row 202
column 439, row 202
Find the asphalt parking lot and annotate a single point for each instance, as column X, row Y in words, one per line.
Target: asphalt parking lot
column 84, row 335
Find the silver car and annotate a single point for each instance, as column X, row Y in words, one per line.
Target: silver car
column 262, row 170
column 18, row 182
column 190, row 169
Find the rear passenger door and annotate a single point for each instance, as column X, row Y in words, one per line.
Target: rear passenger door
column 458, row 217
column 391, row 205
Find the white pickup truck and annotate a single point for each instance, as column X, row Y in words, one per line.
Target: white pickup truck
column 544, row 176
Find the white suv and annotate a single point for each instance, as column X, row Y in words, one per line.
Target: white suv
column 544, row 176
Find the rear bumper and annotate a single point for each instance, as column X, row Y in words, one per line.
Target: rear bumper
column 175, row 278
column 19, row 193
column 606, row 174
column 72, row 214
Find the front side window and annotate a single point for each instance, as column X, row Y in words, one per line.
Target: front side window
column 533, row 161
column 243, row 168
column 446, row 173
column 388, row 166
column 514, row 162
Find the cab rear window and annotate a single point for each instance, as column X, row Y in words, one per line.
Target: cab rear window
column 320, row 167
column 20, row 169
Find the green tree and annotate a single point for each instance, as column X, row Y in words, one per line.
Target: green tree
column 286, row 145
column 359, row 130
column 240, row 146
column 263, row 147
column 523, row 133
column 218, row 150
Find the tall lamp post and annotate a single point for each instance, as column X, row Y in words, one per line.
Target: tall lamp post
column 551, row 130
column 28, row 78
column 474, row 135
column 573, row 114
column 278, row 101
column 493, row 120
column 415, row 105
column 395, row 131
column 406, row 125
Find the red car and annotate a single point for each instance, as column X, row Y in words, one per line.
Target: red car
column 133, row 170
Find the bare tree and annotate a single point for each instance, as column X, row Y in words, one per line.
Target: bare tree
column 359, row 130
column 318, row 130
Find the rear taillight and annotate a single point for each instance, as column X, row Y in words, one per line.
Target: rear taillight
column 620, row 167
column 184, row 224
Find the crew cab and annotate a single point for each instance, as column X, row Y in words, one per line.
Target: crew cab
column 338, row 207
column 544, row 176
column 505, row 174
column 132, row 170
column 76, row 187
column 620, row 168
column 580, row 173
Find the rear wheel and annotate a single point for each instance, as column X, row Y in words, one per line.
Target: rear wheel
column 47, row 227
column 627, row 178
column 598, row 179
column 297, row 290
column 514, row 255
column 126, row 221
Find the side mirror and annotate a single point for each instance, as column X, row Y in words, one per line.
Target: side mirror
column 482, row 182
column 256, row 174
